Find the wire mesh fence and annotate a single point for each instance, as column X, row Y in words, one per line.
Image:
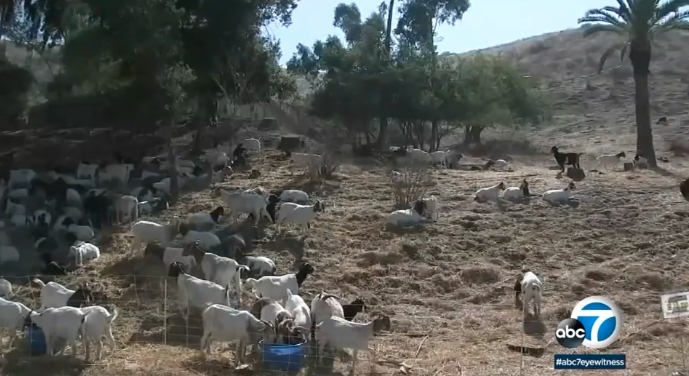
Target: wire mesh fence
column 152, row 337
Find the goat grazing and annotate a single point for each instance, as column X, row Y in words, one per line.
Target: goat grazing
column 218, row 269
column 609, row 161
column 146, row 232
column 555, row 196
column 241, row 202
column 342, row 334
column 563, row 159
column 83, row 252
column 301, row 313
column 489, row 194
column 301, row 215
column 196, row 292
column 225, row 324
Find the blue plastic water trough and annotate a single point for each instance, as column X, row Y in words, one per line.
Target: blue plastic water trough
column 289, row 358
column 36, row 339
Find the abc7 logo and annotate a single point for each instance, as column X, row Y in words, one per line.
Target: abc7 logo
column 570, row 333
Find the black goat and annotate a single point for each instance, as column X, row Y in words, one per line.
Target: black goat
column 563, row 159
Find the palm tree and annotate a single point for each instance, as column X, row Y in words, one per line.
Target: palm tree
column 638, row 22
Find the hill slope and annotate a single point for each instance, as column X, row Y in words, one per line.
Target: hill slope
column 598, row 109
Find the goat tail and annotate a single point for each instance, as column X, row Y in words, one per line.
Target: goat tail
column 251, row 282
column 39, row 282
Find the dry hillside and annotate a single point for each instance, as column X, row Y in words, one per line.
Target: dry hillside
column 448, row 285
column 596, row 111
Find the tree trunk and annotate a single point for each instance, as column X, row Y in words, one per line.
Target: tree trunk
column 383, row 121
column 641, row 59
column 472, row 134
column 435, row 140
column 174, row 187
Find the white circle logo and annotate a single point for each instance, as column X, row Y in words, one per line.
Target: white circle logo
column 602, row 319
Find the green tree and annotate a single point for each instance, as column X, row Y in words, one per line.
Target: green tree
column 637, row 22
column 417, row 26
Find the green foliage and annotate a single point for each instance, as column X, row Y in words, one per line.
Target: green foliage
column 16, row 85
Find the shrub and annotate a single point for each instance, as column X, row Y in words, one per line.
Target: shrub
column 411, row 184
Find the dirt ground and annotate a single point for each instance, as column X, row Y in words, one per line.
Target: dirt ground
column 447, row 286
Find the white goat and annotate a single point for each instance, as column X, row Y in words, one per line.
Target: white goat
column 324, row 306
column 56, row 323
column 146, row 232
column 86, row 170
column 127, row 206
column 516, row 193
column 530, row 287
column 8, row 254
column 259, row 265
column 441, row 157
column 5, row 288
column 431, row 206
column 555, row 196
column 83, row 252
column 301, row 313
column 12, row 315
column 206, row 239
column 275, row 287
column 408, row 217
column 609, row 161
column 225, row 324
column 195, row 292
column 294, row 195
column 53, row 294
column 300, row 215
column 206, row 221
column 418, row 156
column 241, row 202
column 489, row 194
column 342, row 334
column 98, row 323
column 218, row 269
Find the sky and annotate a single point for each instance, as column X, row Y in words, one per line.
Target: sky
column 487, row 22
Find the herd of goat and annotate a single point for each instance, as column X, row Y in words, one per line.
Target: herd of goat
column 63, row 212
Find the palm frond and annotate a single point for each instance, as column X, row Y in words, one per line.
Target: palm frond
column 668, row 8
column 678, row 21
column 621, row 46
column 624, row 11
column 596, row 28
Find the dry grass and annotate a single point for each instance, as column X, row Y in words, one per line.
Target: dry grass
column 447, row 286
